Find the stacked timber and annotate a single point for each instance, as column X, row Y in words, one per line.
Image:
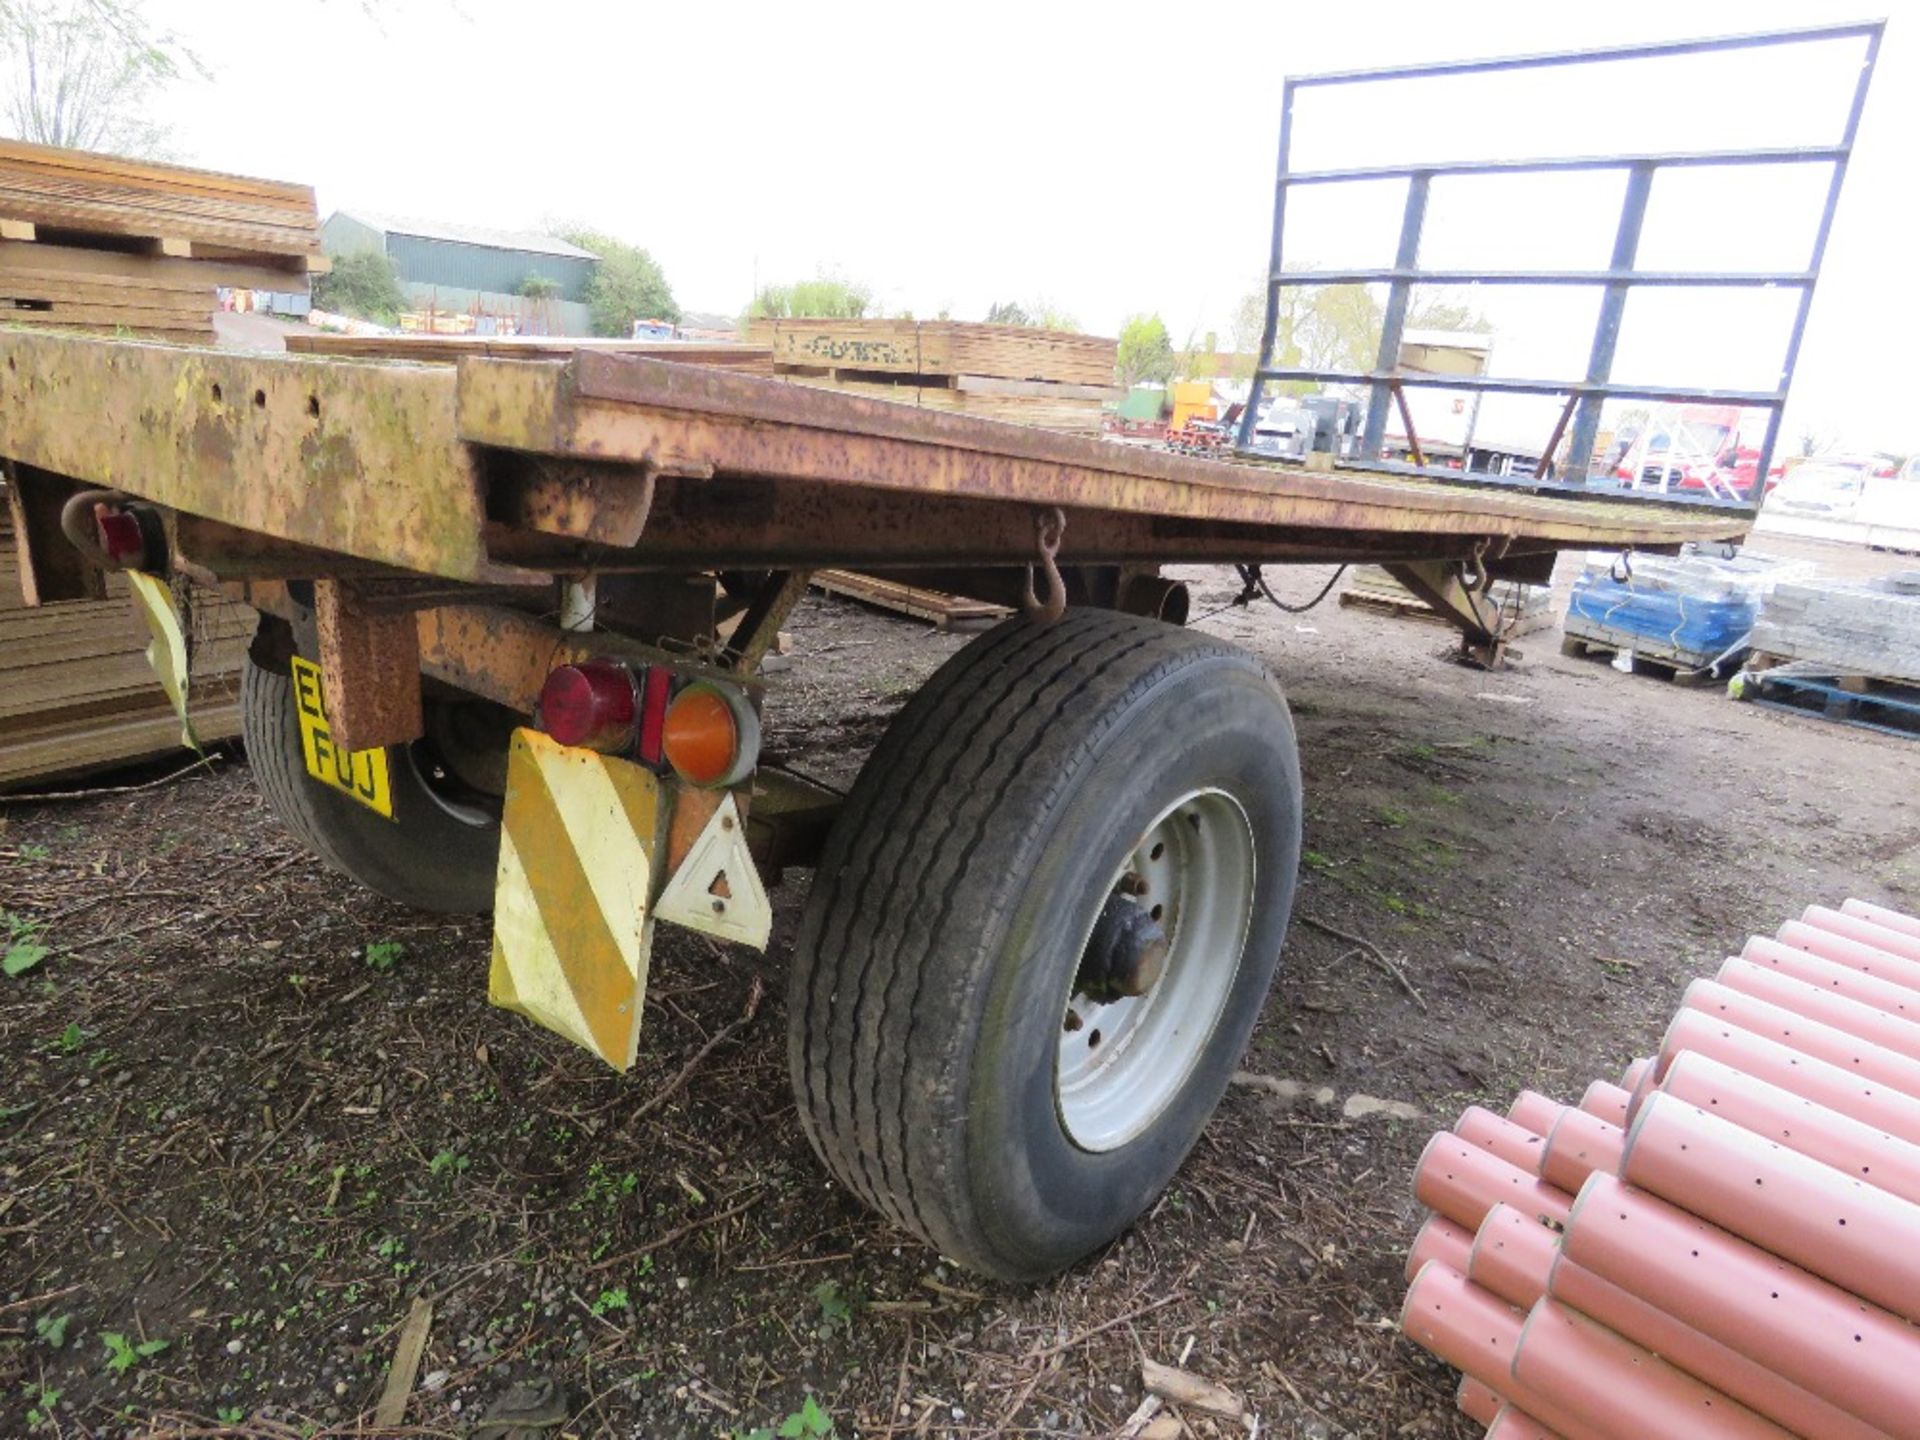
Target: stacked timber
column 445, row 349
column 1050, row 378
column 1724, row 1243
column 76, row 692
column 1865, row 628
column 100, row 244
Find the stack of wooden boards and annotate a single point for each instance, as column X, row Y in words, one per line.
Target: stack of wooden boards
column 445, row 349
column 99, row 244
column 76, row 692
column 1050, row 378
column 102, row 245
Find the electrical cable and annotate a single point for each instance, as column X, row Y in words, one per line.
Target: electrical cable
column 1257, row 584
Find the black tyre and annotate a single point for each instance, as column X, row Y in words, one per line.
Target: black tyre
column 440, row 850
column 1053, row 798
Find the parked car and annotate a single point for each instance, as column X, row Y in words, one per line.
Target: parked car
column 1821, row 489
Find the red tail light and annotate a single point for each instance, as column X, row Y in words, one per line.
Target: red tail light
column 591, row 704
column 122, row 538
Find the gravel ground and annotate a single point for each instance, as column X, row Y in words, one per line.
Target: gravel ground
column 248, row 1114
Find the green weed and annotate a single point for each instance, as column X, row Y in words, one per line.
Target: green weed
column 53, row 1329
column 123, row 1354
column 383, row 955
column 22, row 949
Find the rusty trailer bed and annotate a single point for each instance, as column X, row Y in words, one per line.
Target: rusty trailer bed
column 494, row 471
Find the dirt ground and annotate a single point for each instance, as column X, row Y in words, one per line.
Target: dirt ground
column 247, row 1112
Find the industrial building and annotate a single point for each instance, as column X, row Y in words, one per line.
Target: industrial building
column 472, row 270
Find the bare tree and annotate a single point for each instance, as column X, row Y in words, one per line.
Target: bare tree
column 84, row 74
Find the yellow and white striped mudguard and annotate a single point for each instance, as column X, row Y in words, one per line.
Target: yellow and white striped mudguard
column 572, row 922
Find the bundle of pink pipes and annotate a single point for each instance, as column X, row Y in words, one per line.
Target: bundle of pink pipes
column 1727, row 1242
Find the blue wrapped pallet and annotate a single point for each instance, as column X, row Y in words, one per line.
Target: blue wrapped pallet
column 1686, row 611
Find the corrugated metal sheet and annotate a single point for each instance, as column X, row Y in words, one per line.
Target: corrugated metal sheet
column 527, row 242
column 422, row 261
column 1727, row 1243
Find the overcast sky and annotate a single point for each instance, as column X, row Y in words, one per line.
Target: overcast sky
column 1108, row 158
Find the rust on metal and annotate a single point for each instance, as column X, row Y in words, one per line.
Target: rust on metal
column 1460, row 599
column 358, row 459
column 601, row 504
column 506, row 655
column 759, row 628
column 692, row 809
column 684, row 417
column 369, row 669
column 1049, row 528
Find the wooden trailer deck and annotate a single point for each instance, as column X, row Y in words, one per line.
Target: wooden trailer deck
column 505, row 471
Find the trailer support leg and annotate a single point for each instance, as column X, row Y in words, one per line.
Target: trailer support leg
column 1444, row 587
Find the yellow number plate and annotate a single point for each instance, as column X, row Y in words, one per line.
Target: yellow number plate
column 361, row 773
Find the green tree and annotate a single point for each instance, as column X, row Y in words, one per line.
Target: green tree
column 627, row 285
column 1145, row 351
column 1337, row 327
column 1039, row 314
column 363, row 285
column 826, row 297
column 86, row 74
column 539, row 287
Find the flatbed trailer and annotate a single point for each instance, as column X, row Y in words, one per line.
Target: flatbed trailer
column 512, row 617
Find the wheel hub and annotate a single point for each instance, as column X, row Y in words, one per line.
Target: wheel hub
column 1155, row 970
column 1126, row 955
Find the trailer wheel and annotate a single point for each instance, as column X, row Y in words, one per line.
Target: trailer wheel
column 440, row 850
column 1041, row 934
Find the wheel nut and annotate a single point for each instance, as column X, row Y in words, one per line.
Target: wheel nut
column 1132, row 883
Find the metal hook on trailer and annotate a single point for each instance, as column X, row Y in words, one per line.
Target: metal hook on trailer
column 1049, row 528
column 1479, row 582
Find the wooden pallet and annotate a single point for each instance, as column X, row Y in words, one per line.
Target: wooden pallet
column 939, row 347
column 1887, row 706
column 943, row 610
column 1681, row 669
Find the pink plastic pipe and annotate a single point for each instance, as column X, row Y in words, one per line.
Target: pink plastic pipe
column 1869, row 1022
column 1863, row 1151
column 1533, row 1111
column 1440, row 1239
column 1511, row 1256
column 1864, row 931
column 1515, row 1144
column 1475, row 1332
column 1809, row 1037
column 1607, row 1101
column 1630, row 1077
column 1880, row 915
column 1463, row 1182
column 1627, row 1391
column 1864, row 1100
column 1775, row 1314
column 1707, row 1360
column 1512, row 1424
column 1842, row 950
column 1826, row 1222
column 1579, row 1145
column 1477, row 1400
column 1847, row 980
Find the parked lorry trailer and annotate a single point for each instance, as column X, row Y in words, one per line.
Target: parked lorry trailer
column 512, row 616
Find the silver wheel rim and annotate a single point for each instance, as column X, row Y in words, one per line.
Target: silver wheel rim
column 1120, row 1063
